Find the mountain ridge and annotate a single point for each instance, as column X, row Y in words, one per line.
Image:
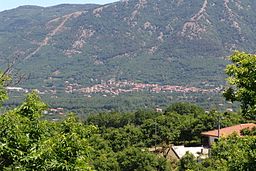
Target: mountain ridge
column 176, row 41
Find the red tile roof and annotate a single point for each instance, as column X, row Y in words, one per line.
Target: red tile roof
column 224, row 132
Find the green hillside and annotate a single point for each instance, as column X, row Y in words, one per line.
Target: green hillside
column 181, row 42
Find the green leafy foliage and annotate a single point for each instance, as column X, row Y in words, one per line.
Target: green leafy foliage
column 124, row 137
column 183, row 108
column 139, row 159
column 188, row 161
column 163, row 129
column 32, row 108
column 3, row 93
column 249, row 132
column 231, row 153
column 29, row 143
column 112, row 119
column 239, row 153
column 242, row 77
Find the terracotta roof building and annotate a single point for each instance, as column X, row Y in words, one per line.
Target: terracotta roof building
column 224, row 132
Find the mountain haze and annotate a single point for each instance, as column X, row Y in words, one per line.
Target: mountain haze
column 180, row 42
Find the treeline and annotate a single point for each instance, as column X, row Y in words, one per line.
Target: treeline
column 131, row 102
column 181, row 123
column 29, row 143
column 106, row 141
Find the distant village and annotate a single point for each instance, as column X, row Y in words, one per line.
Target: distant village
column 121, row 87
column 113, row 87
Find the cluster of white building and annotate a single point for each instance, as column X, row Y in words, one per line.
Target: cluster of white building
column 119, row 87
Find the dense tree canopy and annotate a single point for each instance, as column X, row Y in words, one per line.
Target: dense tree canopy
column 27, row 142
column 242, row 80
column 184, row 108
column 232, row 153
column 3, row 93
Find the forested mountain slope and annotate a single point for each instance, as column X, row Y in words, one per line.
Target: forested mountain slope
column 180, row 42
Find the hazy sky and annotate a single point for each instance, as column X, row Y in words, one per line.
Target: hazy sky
column 9, row 4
